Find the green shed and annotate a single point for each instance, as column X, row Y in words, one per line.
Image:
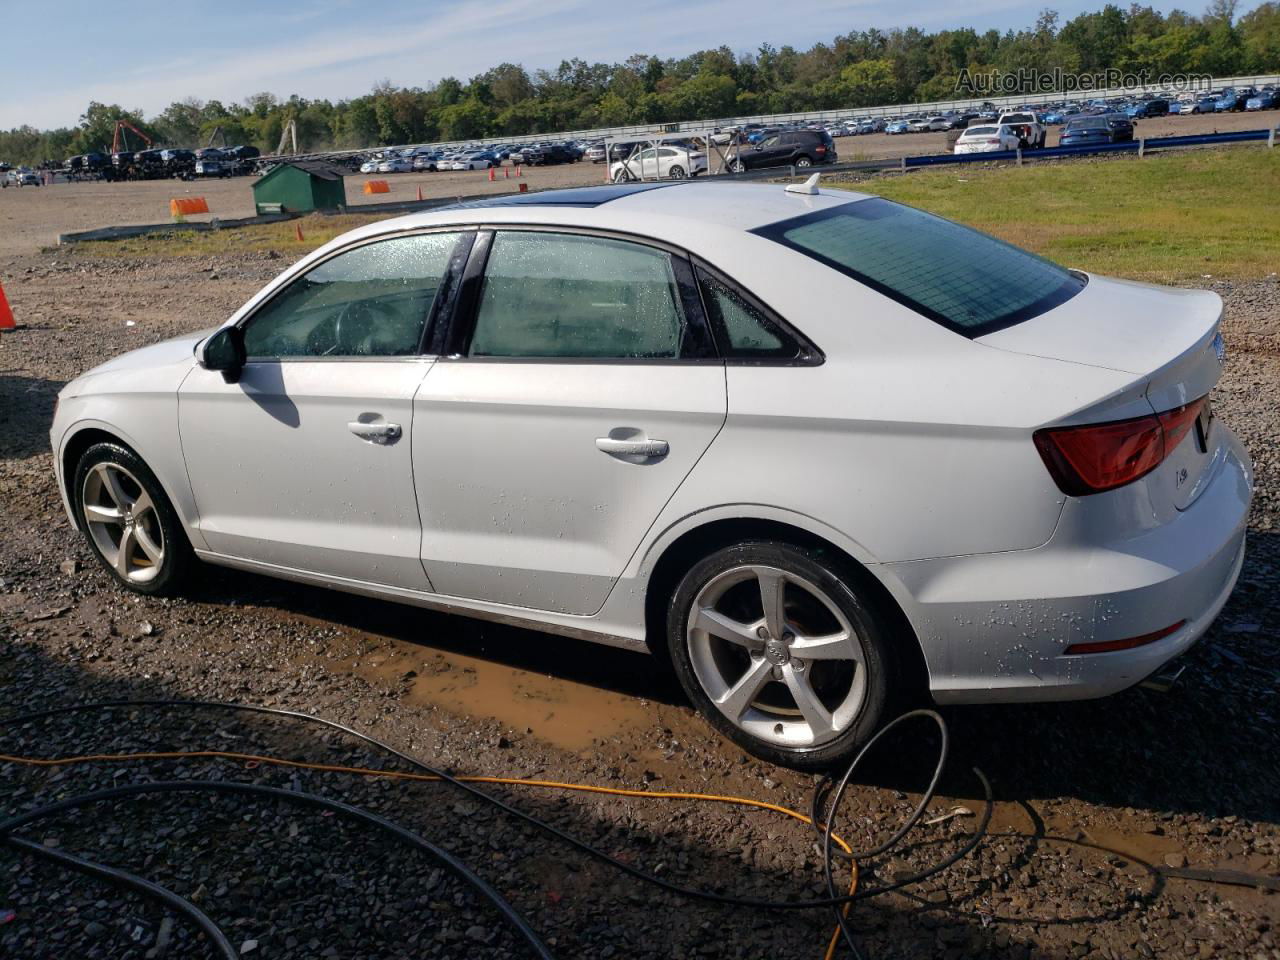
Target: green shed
column 300, row 186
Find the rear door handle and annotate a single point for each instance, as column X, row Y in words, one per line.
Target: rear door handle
column 375, row 432
column 643, row 448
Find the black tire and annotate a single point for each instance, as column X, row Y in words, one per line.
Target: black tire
column 177, row 555
column 832, row 577
column 676, row 172
column 803, row 161
column 737, row 166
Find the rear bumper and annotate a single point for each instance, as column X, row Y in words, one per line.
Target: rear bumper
column 994, row 626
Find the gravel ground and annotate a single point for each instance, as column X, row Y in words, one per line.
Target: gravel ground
column 1095, row 800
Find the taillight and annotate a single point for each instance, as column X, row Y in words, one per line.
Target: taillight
column 1103, row 456
column 819, row 149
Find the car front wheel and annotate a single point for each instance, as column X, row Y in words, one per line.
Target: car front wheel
column 781, row 652
column 676, row 173
column 128, row 520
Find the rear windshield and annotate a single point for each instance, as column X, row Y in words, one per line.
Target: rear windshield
column 979, row 131
column 967, row 281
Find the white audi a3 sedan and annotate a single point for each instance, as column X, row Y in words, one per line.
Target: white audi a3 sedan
column 813, row 447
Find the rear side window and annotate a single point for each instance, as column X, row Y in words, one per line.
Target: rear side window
column 964, row 280
column 563, row 295
column 743, row 330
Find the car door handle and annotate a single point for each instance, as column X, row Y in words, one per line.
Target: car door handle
column 375, row 432
column 648, row 449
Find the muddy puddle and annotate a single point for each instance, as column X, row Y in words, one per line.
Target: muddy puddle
column 565, row 713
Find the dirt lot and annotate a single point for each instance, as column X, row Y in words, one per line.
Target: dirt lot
column 1099, row 804
column 32, row 217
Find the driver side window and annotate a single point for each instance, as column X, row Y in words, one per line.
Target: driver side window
column 372, row 301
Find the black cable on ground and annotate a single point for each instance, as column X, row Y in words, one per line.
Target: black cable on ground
column 122, row 878
column 452, row 863
column 831, row 901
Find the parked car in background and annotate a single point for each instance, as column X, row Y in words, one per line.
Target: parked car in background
column 918, row 125
column 661, row 161
column 542, row 153
column 799, row 148
column 22, row 177
column 395, row 165
column 1121, row 126
column 938, row 123
column 370, row 166
column 1205, row 104
column 987, row 138
column 1228, row 102
column 896, row 127
column 594, row 153
column 1263, row 100
column 1148, row 108
column 1028, row 129
column 474, row 160
column 1085, row 131
column 428, row 162
column 211, row 168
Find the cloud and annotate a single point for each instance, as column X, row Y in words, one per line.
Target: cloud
column 339, row 49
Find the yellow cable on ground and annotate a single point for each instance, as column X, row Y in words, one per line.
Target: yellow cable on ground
column 426, row 777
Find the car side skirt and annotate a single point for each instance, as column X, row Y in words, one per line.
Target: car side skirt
column 566, row 625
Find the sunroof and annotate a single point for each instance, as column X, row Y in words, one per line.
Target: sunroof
column 572, row 197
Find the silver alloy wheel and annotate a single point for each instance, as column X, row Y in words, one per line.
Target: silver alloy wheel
column 123, row 522
column 804, row 162
column 786, row 676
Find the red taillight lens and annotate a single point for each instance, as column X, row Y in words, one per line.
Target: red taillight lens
column 1103, row 456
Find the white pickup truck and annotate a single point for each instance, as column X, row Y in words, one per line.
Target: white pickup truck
column 1031, row 135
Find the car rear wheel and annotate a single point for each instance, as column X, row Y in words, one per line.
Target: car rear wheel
column 781, row 652
column 128, row 520
column 803, row 162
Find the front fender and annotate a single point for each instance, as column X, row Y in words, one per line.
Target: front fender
column 154, row 439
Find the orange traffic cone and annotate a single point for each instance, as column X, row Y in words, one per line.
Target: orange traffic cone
column 419, row 192
column 506, row 173
column 297, row 232
column 492, row 177
column 6, row 315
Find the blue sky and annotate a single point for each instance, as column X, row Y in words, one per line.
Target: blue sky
column 148, row 53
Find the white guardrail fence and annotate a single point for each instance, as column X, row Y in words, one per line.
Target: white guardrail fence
column 845, row 113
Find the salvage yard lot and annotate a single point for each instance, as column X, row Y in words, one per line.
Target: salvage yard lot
column 1127, row 786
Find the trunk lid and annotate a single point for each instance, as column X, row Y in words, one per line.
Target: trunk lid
column 1167, row 339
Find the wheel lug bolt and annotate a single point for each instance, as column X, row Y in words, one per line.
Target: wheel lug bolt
column 762, row 633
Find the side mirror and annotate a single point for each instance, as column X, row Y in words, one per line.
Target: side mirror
column 224, row 352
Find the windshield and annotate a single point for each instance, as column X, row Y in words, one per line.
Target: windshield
column 1088, row 123
column 967, row 281
column 980, row 131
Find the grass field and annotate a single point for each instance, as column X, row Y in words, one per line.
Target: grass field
column 1170, row 217
column 317, row 230
column 1165, row 218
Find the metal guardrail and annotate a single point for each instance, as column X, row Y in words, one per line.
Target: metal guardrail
column 1135, row 146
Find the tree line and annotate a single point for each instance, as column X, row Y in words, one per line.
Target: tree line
column 857, row 69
